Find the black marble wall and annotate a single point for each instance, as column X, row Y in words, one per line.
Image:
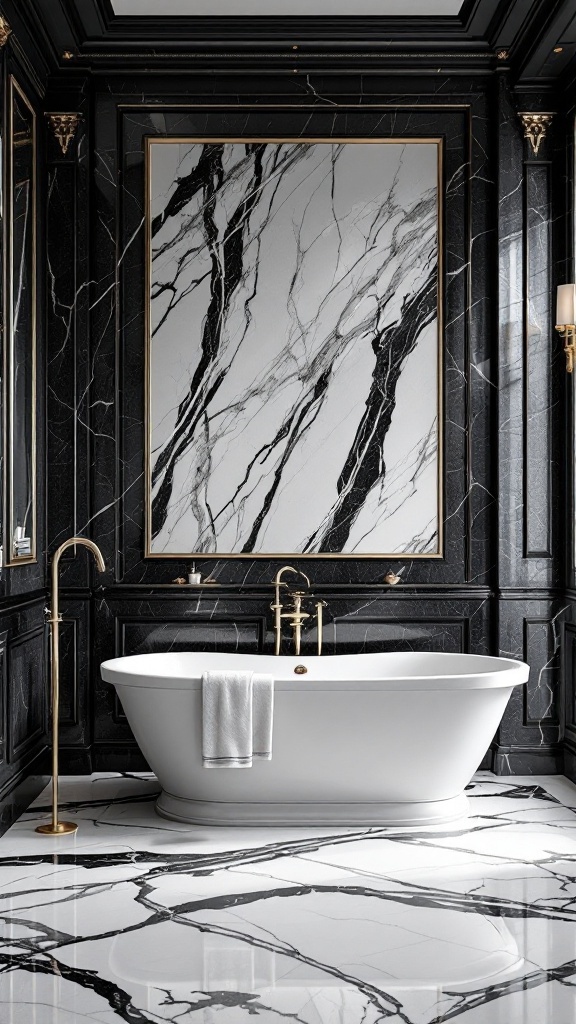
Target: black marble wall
column 530, row 459
column 23, row 680
column 565, row 189
column 497, row 589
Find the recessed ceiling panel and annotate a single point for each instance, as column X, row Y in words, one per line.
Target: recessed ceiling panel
column 227, row 8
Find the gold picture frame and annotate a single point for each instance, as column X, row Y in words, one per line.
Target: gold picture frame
column 150, row 142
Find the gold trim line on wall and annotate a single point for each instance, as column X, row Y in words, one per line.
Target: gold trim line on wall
column 536, row 127
column 151, row 141
column 64, row 127
column 288, row 54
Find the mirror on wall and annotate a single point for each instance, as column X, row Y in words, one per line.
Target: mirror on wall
column 20, row 360
column 294, row 324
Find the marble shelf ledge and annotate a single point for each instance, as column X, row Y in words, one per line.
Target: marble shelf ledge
column 406, row 591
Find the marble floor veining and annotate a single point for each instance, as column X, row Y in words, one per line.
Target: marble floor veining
column 147, row 921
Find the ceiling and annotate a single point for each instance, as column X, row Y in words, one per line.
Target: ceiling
column 535, row 40
column 227, row 8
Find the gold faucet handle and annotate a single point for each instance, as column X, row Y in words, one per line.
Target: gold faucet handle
column 297, row 612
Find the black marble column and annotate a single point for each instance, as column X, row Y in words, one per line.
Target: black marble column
column 529, row 418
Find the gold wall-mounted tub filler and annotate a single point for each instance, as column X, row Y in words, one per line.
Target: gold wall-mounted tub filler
column 295, row 614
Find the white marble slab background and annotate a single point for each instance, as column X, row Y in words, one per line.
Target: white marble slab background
column 294, row 347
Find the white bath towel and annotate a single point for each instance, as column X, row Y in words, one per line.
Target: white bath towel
column 262, row 716
column 237, row 713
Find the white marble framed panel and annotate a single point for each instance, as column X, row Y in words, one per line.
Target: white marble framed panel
column 294, row 347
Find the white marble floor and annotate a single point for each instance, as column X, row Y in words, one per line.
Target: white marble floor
column 142, row 920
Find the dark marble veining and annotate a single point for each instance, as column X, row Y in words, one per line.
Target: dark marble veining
column 142, row 921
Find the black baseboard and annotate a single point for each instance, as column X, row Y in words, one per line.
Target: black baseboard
column 23, row 789
column 519, row 760
column 569, row 761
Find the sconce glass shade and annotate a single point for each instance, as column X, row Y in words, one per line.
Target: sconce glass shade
column 566, row 305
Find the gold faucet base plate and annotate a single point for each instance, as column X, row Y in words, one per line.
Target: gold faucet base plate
column 62, row 828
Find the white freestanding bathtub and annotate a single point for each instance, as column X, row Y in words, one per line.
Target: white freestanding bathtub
column 387, row 739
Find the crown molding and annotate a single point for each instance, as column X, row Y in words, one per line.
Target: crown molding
column 87, row 34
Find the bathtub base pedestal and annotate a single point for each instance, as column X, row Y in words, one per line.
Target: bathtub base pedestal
column 408, row 814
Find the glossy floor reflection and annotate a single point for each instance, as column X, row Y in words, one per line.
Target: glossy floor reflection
column 141, row 920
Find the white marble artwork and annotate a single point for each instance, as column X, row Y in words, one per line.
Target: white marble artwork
column 143, row 920
column 294, row 339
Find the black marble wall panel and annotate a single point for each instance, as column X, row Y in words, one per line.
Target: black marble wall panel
column 501, row 505
column 530, row 733
column 75, row 641
column 119, row 250
column 565, row 267
column 142, row 636
column 23, row 638
column 25, row 579
column 366, row 635
column 530, row 464
column 569, row 681
column 26, row 698
column 63, row 416
column 23, row 681
column 69, row 369
column 539, row 368
column 3, row 697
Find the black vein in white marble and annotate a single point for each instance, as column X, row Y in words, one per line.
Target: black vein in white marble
column 148, row 921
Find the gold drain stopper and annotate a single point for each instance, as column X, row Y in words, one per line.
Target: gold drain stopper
column 300, row 670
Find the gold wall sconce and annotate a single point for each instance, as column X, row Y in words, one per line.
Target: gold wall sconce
column 566, row 321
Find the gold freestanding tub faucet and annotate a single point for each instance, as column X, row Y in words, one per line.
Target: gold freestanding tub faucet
column 58, row 828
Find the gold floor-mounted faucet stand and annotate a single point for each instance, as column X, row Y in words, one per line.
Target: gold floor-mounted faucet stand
column 56, row 827
column 295, row 615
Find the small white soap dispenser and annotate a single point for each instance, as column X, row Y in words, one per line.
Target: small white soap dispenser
column 194, row 578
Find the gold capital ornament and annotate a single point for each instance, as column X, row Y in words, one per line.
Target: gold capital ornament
column 536, row 127
column 64, row 127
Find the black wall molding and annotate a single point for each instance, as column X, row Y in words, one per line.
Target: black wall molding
column 520, row 36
